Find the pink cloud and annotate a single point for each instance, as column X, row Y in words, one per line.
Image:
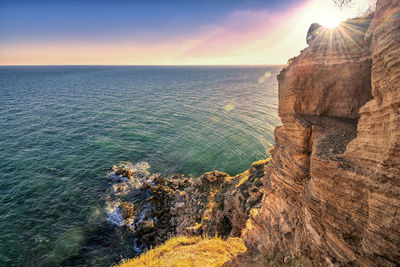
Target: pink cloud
column 241, row 31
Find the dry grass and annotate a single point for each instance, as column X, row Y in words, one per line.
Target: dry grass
column 244, row 178
column 190, row 251
column 245, row 175
column 261, row 162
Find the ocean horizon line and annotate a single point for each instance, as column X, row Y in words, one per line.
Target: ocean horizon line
column 126, row 65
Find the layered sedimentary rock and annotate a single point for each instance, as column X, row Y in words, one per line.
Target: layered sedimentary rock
column 376, row 150
column 332, row 188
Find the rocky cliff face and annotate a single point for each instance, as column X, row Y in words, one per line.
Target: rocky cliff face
column 332, row 188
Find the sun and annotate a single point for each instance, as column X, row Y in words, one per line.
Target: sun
column 330, row 21
column 325, row 14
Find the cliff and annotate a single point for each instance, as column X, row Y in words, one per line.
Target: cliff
column 332, row 188
column 330, row 194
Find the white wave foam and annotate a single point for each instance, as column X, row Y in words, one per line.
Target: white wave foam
column 114, row 213
column 123, row 186
column 140, row 174
column 138, row 246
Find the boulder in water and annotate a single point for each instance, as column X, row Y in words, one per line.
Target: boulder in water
column 124, row 172
column 127, row 210
column 159, row 180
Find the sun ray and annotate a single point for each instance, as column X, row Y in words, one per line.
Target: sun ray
column 345, row 39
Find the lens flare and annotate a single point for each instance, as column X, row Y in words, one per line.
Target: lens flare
column 264, row 77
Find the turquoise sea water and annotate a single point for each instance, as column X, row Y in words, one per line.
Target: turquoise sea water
column 63, row 127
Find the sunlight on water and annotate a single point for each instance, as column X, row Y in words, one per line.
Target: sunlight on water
column 263, row 78
column 215, row 119
column 229, row 106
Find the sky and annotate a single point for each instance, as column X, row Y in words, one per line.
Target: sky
column 160, row 32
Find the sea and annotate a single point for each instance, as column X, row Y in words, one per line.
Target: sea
column 63, row 127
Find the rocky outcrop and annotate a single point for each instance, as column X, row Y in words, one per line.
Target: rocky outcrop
column 332, row 188
column 312, row 32
column 213, row 204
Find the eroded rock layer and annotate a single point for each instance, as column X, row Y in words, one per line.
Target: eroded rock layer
column 332, row 188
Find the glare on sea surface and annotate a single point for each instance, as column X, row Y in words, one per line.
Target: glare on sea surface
column 229, row 106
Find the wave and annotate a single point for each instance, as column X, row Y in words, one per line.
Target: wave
column 127, row 179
